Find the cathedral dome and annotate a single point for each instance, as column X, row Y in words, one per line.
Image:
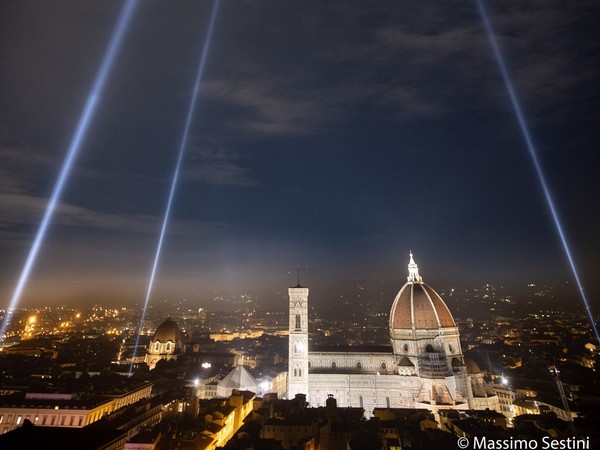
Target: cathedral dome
column 167, row 331
column 418, row 307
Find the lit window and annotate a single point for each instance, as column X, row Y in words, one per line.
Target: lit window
column 19, row 418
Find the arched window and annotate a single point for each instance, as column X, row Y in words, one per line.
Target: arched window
column 383, row 366
column 358, row 365
column 298, row 347
column 298, row 322
column 168, row 346
column 156, row 347
column 405, row 347
column 295, row 372
column 333, row 365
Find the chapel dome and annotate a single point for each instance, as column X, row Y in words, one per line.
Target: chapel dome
column 167, row 331
column 472, row 367
column 417, row 306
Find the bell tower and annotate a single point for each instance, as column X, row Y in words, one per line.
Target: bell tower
column 298, row 341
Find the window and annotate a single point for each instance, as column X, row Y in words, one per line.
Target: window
column 44, row 420
column 62, row 420
column 72, row 421
column 1, row 418
column 298, row 322
column 168, row 346
column 383, row 366
column 405, row 347
column 360, row 401
column 53, row 421
column 19, row 418
column 333, row 365
column 80, row 420
column 359, row 365
column 299, row 372
column 156, row 347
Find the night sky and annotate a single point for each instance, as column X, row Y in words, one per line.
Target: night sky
column 335, row 136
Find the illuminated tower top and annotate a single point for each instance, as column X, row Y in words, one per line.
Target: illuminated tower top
column 413, row 271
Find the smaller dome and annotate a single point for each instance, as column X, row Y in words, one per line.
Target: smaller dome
column 472, row 367
column 167, row 331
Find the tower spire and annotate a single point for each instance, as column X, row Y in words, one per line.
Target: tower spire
column 413, row 271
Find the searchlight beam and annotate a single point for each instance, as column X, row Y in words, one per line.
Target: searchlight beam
column 80, row 133
column 534, row 156
column 182, row 146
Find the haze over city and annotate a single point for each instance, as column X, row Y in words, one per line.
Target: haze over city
column 334, row 137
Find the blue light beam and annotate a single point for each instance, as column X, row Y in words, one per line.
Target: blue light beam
column 182, row 146
column 534, row 157
column 80, row 133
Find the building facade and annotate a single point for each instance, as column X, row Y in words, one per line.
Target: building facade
column 63, row 410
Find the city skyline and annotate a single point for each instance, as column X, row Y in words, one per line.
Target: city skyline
column 332, row 137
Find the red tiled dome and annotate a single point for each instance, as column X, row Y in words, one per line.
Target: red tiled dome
column 418, row 306
column 167, row 331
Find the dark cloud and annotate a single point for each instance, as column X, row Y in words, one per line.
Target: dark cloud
column 338, row 134
column 211, row 163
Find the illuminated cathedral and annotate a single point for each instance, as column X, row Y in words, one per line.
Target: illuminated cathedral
column 424, row 367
